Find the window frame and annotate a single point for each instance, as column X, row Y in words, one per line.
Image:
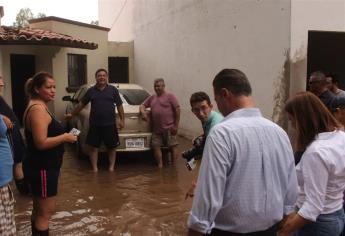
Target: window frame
column 77, row 65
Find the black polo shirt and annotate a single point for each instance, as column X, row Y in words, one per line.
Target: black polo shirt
column 331, row 101
column 102, row 104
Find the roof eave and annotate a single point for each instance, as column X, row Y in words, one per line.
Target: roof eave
column 49, row 43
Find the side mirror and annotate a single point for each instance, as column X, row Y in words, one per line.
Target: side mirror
column 67, row 98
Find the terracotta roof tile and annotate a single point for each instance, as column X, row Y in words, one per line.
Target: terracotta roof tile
column 30, row 36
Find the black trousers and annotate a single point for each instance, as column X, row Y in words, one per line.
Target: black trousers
column 272, row 231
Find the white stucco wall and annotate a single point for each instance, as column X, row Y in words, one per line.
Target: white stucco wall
column 117, row 15
column 188, row 42
column 310, row 15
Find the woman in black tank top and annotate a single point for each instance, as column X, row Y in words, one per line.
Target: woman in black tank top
column 45, row 138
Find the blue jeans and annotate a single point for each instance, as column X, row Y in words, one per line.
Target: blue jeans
column 326, row 225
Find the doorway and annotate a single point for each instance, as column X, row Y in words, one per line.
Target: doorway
column 118, row 69
column 326, row 52
column 22, row 68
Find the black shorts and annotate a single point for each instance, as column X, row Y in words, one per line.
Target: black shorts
column 44, row 183
column 106, row 134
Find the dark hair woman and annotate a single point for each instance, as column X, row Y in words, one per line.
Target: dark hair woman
column 45, row 138
column 321, row 171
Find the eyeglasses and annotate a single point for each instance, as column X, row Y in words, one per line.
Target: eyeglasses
column 201, row 109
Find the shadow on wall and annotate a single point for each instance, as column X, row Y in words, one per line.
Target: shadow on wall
column 291, row 79
column 281, row 93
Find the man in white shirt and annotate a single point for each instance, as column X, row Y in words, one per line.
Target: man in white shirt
column 247, row 180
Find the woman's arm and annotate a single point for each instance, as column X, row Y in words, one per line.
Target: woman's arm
column 39, row 121
column 292, row 223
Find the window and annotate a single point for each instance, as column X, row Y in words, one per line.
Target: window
column 76, row 71
column 118, row 69
column 134, row 96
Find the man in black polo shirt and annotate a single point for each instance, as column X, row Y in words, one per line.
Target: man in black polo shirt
column 102, row 117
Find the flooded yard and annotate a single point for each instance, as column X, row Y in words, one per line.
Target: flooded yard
column 137, row 199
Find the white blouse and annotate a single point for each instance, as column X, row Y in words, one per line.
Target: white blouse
column 321, row 176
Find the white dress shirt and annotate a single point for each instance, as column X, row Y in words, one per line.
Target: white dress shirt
column 247, row 178
column 321, row 176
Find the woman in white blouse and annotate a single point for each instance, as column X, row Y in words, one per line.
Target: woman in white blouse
column 321, row 171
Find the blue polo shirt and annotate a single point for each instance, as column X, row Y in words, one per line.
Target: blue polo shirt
column 6, row 160
column 102, row 104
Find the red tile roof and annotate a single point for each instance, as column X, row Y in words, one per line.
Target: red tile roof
column 30, row 36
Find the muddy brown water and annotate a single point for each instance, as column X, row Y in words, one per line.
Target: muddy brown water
column 137, row 199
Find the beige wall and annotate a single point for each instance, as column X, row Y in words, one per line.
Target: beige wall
column 310, row 15
column 188, row 42
column 123, row 49
column 43, row 56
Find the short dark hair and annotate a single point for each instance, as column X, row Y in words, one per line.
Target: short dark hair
column 319, row 74
column 99, row 70
column 159, row 80
column 199, row 97
column 335, row 78
column 234, row 80
column 36, row 81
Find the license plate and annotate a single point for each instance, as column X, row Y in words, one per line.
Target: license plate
column 135, row 143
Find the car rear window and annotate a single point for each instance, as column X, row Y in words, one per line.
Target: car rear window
column 134, row 96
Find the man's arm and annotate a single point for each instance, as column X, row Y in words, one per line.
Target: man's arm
column 121, row 116
column 76, row 110
column 292, row 223
column 143, row 112
column 7, row 122
column 210, row 188
column 177, row 114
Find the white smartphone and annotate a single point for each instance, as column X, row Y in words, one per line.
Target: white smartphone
column 191, row 164
column 75, row 131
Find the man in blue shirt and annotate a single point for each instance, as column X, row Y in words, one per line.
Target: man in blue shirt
column 103, row 127
column 202, row 109
column 247, row 181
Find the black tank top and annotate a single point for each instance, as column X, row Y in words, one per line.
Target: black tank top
column 49, row 158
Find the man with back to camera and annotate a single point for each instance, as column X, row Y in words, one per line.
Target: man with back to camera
column 103, row 127
column 165, row 113
column 247, row 180
column 202, row 107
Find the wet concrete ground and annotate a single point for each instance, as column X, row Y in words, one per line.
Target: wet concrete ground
column 137, row 199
